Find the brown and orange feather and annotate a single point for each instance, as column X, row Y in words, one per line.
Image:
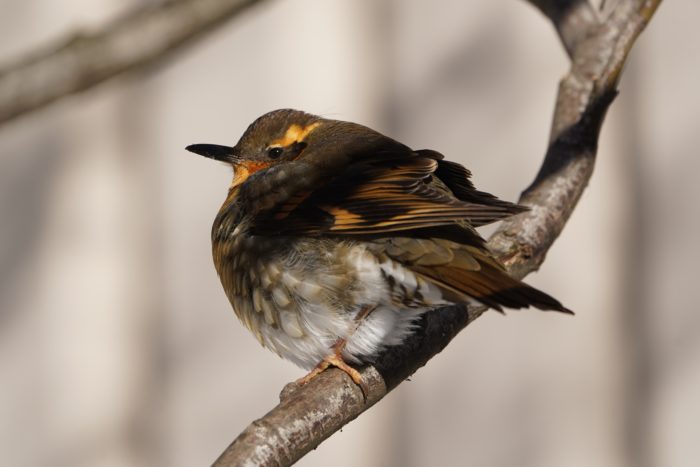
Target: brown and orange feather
column 295, row 134
column 490, row 285
column 381, row 196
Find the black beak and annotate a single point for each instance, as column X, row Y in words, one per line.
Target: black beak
column 213, row 151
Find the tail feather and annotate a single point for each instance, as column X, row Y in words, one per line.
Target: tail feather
column 490, row 285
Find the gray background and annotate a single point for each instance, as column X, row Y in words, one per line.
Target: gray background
column 117, row 344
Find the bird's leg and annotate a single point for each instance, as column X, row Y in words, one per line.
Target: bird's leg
column 336, row 357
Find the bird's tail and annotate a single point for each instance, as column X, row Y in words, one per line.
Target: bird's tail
column 489, row 284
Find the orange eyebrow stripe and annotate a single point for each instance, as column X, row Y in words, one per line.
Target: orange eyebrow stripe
column 295, row 134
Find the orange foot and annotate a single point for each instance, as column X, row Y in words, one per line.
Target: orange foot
column 337, row 361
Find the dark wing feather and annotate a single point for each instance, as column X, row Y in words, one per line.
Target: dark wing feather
column 457, row 179
column 490, row 284
column 380, row 196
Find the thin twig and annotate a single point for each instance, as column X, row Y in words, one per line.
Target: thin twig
column 83, row 60
column 309, row 414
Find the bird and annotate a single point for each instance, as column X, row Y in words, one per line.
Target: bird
column 334, row 239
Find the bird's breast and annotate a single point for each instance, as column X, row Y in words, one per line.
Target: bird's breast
column 299, row 295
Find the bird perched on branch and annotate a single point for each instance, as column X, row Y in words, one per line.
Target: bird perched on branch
column 334, row 239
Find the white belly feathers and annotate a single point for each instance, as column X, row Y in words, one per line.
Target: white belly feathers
column 313, row 308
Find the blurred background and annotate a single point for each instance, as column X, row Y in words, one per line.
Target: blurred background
column 119, row 348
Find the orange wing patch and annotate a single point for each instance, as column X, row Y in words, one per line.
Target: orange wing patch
column 342, row 216
column 294, row 134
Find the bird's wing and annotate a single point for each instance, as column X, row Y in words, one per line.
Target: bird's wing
column 457, row 179
column 464, row 271
column 382, row 196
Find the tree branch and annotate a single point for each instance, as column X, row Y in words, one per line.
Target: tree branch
column 573, row 19
column 79, row 62
column 309, row 414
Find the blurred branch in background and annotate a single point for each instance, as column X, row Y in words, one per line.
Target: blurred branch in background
column 598, row 48
column 141, row 38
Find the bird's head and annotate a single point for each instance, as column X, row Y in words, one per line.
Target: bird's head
column 276, row 137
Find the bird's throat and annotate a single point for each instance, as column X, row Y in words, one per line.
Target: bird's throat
column 244, row 169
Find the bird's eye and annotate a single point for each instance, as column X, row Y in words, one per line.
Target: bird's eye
column 275, row 152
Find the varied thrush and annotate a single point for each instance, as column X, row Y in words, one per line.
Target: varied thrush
column 334, row 239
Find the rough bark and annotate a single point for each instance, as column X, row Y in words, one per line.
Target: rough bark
column 598, row 48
